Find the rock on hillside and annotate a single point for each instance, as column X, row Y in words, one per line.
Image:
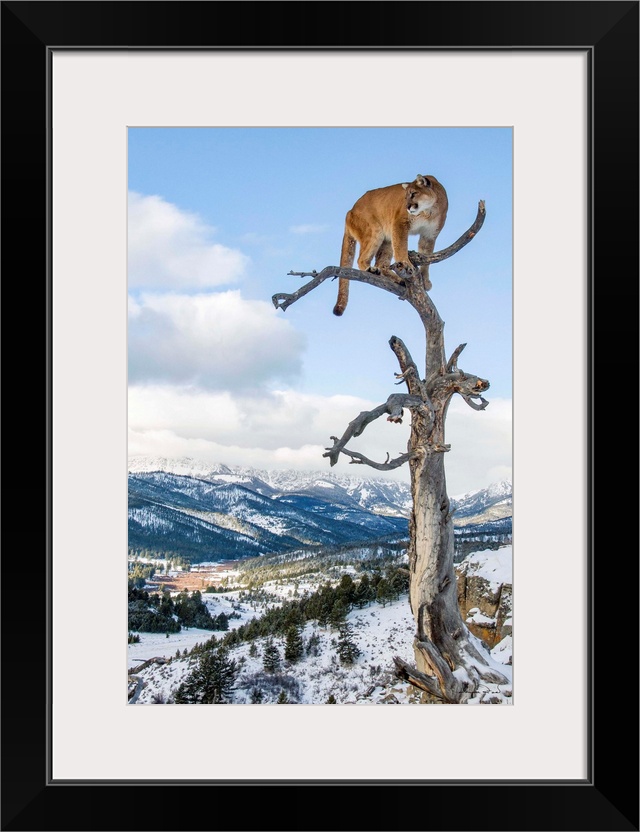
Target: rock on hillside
column 485, row 594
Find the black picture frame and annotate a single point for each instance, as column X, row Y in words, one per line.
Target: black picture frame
column 608, row 799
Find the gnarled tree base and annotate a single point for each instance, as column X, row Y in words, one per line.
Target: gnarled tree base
column 444, row 684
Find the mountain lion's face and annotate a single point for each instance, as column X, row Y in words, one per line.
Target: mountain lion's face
column 420, row 196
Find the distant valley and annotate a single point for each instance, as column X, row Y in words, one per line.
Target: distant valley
column 195, row 512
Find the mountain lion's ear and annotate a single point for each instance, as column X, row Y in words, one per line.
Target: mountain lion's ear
column 405, row 185
column 423, row 181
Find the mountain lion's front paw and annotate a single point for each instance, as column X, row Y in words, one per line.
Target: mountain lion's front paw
column 404, row 268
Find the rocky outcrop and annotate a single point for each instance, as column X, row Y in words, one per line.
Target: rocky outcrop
column 485, row 594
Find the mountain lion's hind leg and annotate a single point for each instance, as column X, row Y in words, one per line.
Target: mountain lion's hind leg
column 383, row 260
column 369, row 248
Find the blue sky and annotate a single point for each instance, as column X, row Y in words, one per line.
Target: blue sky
column 219, row 216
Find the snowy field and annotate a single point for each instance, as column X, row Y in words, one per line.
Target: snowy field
column 379, row 633
column 166, row 644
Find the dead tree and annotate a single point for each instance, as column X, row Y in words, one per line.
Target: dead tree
column 450, row 663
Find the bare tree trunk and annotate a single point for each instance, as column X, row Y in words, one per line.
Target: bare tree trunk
column 442, row 642
column 449, row 662
column 432, row 592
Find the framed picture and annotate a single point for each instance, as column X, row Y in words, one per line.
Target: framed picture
column 80, row 78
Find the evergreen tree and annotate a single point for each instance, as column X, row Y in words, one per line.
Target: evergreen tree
column 399, row 581
column 210, row 644
column 232, row 638
column 250, row 630
column 256, row 696
column 211, row 681
column 384, row 592
column 282, row 698
column 364, row 592
column 271, row 657
column 313, row 645
column 221, row 622
column 294, row 647
column 331, row 700
column 166, row 604
column 325, row 604
column 147, row 614
column 192, row 611
column 338, row 613
column 346, row 590
column 294, row 616
column 253, row 650
column 346, row 647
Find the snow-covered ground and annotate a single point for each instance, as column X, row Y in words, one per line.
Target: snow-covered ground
column 495, row 566
column 379, row 633
column 152, row 645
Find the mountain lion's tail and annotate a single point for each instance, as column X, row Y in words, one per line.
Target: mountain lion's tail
column 347, row 256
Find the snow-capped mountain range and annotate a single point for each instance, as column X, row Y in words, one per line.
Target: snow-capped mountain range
column 204, row 511
column 492, row 503
column 392, row 499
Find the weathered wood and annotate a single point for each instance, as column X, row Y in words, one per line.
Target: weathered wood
column 408, row 369
column 283, row 300
column 360, row 459
column 452, row 363
column 394, row 408
column 416, row 678
column 452, row 688
column 490, row 675
column 449, row 665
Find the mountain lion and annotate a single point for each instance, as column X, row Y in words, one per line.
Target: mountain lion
column 381, row 221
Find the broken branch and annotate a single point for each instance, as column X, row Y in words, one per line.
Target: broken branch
column 393, row 408
column 483, row 402
column 283, row 300
column 417, row 678
column 409, row 370
column 361, row 459
column 452, row 363
column 438, row 256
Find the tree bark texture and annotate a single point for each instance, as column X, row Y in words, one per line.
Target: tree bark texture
column 450, row 663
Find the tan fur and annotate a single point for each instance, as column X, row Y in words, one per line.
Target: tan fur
column 381, row 222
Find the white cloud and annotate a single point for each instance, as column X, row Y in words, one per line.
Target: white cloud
column 289, row 429
column 310, row 228
column 172, row 248
column 168, row 444
column 216, row 341
column 270, row 420
column 278, row 430
column 481, row 445
column 134, row 307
